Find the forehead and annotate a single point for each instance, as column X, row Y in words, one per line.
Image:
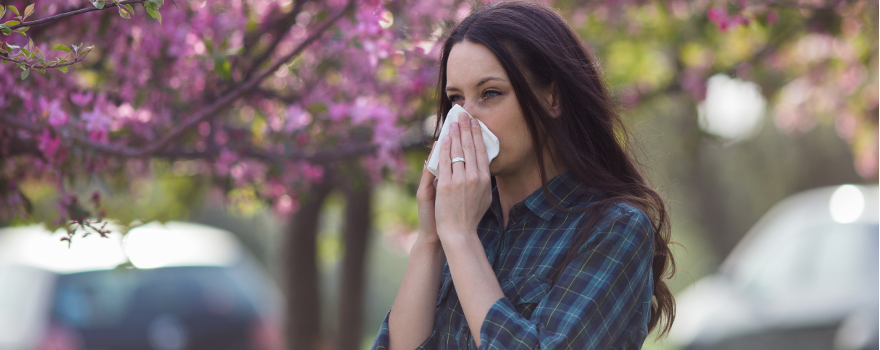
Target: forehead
column 469, row 62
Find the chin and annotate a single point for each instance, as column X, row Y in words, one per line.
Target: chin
column 498, row 169
column 493, row 168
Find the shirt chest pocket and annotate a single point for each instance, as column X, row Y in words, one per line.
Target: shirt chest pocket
column 525, row 292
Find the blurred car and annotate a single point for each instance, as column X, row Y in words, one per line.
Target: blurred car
column 804, row 277
column 169, row 286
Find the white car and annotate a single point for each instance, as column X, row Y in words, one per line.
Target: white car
column 165, row 286
column 804, row 277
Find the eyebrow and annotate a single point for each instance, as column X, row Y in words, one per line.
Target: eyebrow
column 481, row 82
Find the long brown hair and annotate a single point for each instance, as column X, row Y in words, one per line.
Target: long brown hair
column 538, row 50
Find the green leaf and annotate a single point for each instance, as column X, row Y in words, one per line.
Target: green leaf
column 12, row 47
column 41, row 70
column 2, row 11
column 26, row 52
column 63, row 69
column 14, row 10
column 62, row 47
column 155, row 14
column 11, row 23
column 223, row 68
column 21, row 30
column 5, row 30
column 25, row 74
column 123, row 13
column 87, row 50
column 158, row 2
column 129, row 8
column 151, row 5
column 99, row 4
column 29, row 10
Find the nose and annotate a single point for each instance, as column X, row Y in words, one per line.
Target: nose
column 470, row 108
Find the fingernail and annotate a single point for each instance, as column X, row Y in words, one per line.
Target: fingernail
column 475, row 123
column 462, row 117
column 454, row 126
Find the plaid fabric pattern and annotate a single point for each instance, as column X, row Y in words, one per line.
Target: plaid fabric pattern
column 602, row 300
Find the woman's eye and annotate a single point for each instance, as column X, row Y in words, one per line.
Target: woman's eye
column 454, row 98
column 491, row 94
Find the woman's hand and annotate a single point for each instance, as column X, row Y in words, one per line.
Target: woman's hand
column 425, row 197
column 464, row 190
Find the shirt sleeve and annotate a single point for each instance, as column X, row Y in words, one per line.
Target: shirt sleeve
column 600, row 294
column 382, row 339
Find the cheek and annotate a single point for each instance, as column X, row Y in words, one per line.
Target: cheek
column 506, row 121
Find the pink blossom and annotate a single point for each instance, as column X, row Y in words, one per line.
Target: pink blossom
column 81, row 98
column 99, row 135
column 223, row 163
column 96, row 120
column 285, row 205
column 725, row 21
column 296, row 118
column 48, row 144
column 717, row 14
column 52, row 111
column 312, row 172
column 337, row 111
column 771, row 16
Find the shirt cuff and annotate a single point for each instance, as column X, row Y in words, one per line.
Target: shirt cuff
column 505, row 328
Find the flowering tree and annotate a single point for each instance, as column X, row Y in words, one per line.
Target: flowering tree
column 259, row 94
column 258, row 88
column 277, row 98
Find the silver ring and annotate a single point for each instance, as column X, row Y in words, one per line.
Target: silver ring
column 457, row 159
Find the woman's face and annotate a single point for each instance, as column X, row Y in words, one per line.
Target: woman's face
column 476, row 81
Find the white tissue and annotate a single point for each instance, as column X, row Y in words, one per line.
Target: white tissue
column 491, row 141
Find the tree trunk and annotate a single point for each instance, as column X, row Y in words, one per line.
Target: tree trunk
column 303, row 302
column 351, row 285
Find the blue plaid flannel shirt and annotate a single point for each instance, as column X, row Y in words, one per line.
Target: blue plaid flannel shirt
column 602, row 300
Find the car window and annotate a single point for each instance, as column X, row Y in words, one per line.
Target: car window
column 824, row 257
column 127, row 306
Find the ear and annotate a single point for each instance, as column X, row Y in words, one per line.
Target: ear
column 551, row 98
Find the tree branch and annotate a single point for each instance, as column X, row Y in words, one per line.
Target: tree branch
column 54, row 18
column 407, row 141
column 282, row 23
column 315, row 157
column 4, row 56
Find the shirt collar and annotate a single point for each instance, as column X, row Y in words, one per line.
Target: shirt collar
column 564, row 189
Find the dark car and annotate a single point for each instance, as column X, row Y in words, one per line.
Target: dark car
column 804, row 277
column 166, row 286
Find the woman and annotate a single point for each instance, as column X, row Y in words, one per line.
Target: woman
column 505, row 258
